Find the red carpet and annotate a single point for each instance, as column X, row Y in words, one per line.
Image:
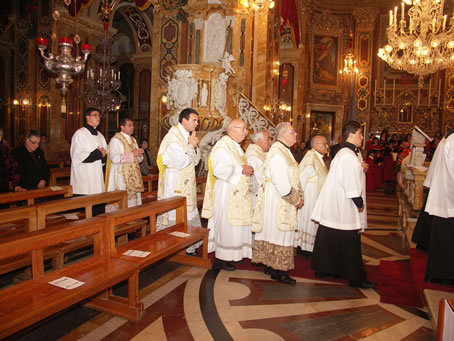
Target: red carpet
column 396, row 284
column 403, row 282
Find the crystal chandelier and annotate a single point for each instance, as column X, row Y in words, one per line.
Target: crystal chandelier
column 102, row 82
column 258, row 5
column 420, row 43
column 349, row 60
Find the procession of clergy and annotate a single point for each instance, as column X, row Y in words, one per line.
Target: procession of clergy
column 260, row 204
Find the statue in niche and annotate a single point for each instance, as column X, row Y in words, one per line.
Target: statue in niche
column 220, row 94
column 226, row 63
column 204, row 95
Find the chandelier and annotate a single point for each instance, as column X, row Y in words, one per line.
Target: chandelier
column 420, row 43
column 258, row 5
column 349, row 59
column 102, row 82
column 280, row 111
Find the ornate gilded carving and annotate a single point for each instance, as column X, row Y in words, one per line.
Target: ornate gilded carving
column 324, row 97
column 365, row 17
column 362, row 92
column 326, row 21
column 136, row 19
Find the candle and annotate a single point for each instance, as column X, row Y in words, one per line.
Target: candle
column 391, row 17
column 85, row 47
column 439, row 92
column 394, row 89
column 403, row 10
column 430, row 86
column 118, row 75
column 65, row 40
column 444, row 21
column 42, row 42
column 384, row 91
column 395, row 15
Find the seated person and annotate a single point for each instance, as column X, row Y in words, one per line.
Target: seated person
column 32, row 166
column 148, row 165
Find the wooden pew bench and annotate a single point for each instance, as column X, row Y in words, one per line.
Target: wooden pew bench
column 150, row 183
column 86, row 203
column 26, row 303
column 59, row 176
column 12, row 198
column 161, row 244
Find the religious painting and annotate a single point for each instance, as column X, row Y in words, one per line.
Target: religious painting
column 322, row 124
column 326, row 49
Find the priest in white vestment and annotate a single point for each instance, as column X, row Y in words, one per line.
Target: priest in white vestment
column 88, row 154
column 228, row 200
column 255, row 155
column 312, row 174
column 177, row 157
column 341, row 212
column 125, row 156
column 274, row 221
column 440, row 206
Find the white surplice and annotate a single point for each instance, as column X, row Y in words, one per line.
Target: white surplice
column 307, row 228
column 440, row 180
column 176, row 158
column 346, row 180
column 231, row 243
column 86, row 178
column 119, row 157
column 277, row 185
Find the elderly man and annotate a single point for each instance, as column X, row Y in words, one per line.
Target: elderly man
column 275, row 215
column 312, row 174
column 177, row 157
column 125, row 156
column 228, row 203
column 255, row 155
column 340, row 211
column 88, row 154
column 31, row 163
column 440, row 206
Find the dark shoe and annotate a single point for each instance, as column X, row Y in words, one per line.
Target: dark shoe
column 223, row 265
column 284, row 279
column 195, row 253
column 362, row 284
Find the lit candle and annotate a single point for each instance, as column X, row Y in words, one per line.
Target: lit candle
column 444, row 21
column 394, row 89
column 42, row 42
column 395, row 15
column 439, row 92
column 391, row 17
column 403, row 10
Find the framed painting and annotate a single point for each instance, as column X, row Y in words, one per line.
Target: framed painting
column 322, row 123
column 325, row 61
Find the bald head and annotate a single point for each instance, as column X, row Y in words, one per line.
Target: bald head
column 237, row 130
column 319, row 144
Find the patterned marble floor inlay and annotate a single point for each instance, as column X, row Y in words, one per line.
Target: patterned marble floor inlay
column 354, row 322
column 272, row 292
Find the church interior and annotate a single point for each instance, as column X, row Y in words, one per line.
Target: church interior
column 314, row 63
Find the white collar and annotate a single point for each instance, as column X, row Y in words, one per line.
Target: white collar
column 183, row 131
column 320, row 155
column 128, row 137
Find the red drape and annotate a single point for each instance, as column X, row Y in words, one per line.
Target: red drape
column 287, row 10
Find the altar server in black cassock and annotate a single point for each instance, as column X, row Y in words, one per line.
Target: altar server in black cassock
column 440, row 205
column 340, row 211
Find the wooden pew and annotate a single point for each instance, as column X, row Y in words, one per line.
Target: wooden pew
column 150, row 183
column 160, row 244
column 33, row 300
column 59, row 173
column 83, row 202
column 12, row 198
column 11, row 215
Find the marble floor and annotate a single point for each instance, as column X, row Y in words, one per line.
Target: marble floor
column 185, row 303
